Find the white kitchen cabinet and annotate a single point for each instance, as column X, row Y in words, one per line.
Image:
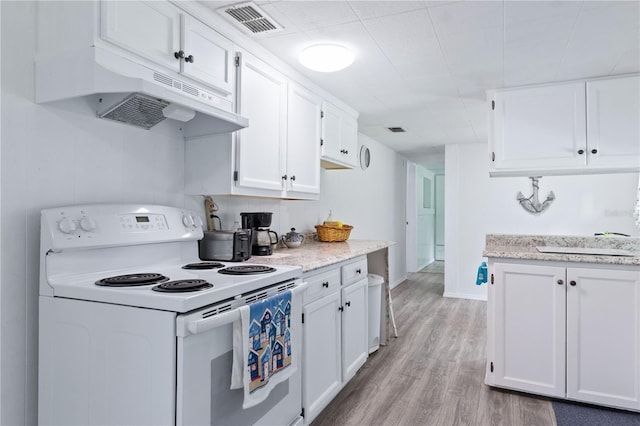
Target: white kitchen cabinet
column 322, row 359
column 571, row 128
column 565, row 332
column 603, row 337
column 355, row 348
column 150, row 29
column 538, row 128
column 339, row 138
column 162, row 33
column 208, row 56
column 335, row 332
column 277, row 156
column 303, row 141
column 528, row 305
column 613, row 121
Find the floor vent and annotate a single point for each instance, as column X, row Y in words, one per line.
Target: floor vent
column 251, row 18
column 396, row 129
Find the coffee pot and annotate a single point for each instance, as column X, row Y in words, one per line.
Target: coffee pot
column 261, row 236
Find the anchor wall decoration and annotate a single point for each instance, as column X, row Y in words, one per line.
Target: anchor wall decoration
column 533, row 204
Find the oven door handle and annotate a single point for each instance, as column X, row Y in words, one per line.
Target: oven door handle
column 201, row 325
column 206, row 324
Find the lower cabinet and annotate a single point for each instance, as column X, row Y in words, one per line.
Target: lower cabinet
column 334, row 332
column 565, row 332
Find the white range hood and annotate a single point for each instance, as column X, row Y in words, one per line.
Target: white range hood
column 132, row 93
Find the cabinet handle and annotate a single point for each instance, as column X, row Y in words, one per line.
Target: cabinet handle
column 189, row 59
column 348, row 303
column 493, row 156
column 341, row 308
column 325, row 284
column 594, row 151
column 358, row 271
column 560, row 282
column 572, row 282
column 179, row 54
column 284, row 177
column 293, row 177
column 581, row 151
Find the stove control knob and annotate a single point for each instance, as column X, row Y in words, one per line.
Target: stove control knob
column 67, row 226
column 87, row 224
column 187, row 220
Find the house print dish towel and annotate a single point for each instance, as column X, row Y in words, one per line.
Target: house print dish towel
column 263, row 355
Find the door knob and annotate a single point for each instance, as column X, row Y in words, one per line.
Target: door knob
column 179, row 54
column 572, row 282
column 189, row 59
column 560, row 282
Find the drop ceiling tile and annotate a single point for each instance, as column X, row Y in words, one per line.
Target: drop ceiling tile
column 480, row 51
column 461, row 134
column 623, row 18
column 373, row 9
column 466, row 16
column 543, row 40
column 308, row 15
column 516, row 12
column 629, row 62
column 392, row 34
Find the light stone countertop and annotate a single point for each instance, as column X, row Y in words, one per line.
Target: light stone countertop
column 315, row 254
column 524, row 247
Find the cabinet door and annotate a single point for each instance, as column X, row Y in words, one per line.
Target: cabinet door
column 613, row 121
column 303, row 140
column 355, row 348
column 529, row 328
column 603, row 337
column 321, row 361
column 540, row 127
column 150, row 29
column 262, row 98
column 339, row 138
column 208, row 55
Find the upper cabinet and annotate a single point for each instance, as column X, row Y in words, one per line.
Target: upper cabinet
column 573, row 128
column 339, row 138
column 277, row 156
column 171, row 38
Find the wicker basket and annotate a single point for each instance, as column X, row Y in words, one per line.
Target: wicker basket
column 331, row 234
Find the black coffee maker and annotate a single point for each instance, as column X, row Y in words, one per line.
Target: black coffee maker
column 261, row 236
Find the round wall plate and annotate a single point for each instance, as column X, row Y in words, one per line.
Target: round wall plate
column 365, row 157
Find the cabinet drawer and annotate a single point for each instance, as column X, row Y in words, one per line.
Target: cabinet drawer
column 321, row 284
column 354, row 271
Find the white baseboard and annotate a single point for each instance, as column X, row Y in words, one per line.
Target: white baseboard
column 482, row 297
column 397, row 282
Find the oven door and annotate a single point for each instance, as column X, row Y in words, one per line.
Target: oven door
column 204, row 363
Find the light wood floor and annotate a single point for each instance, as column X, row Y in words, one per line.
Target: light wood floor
column 433, row 373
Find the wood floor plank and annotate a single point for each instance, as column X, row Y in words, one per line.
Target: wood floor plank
column 433, row 373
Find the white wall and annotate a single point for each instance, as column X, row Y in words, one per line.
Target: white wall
column 476, row 205
column 61, row 154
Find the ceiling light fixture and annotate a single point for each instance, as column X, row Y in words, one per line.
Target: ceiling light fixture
column 326, row 57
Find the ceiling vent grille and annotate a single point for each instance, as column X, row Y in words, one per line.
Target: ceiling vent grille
column 251, row 18
column 396, row 129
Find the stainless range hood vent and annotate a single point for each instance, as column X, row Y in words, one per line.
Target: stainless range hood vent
column 138, row 110
column 251, row 18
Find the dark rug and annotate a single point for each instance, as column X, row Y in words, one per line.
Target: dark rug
column 576, row 414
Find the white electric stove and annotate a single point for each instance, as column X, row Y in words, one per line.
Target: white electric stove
column 136, row 329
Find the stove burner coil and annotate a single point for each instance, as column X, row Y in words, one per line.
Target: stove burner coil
column 132, row 280
column 182, row 286
column 247, row 270
column 203, row 265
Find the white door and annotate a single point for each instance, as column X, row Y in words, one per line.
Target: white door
column 355, row 323
column 303, row 140
column 321, row 354
column 603, row 337
column 540, row 127
column 208, row 56
column 349, row 140
column 150, row 29
column 439, row 201
column 411, row 221
column 613, row 121
column 262, row 98
column 529, row 328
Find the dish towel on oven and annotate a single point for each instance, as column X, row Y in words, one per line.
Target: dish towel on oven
column 263, row 354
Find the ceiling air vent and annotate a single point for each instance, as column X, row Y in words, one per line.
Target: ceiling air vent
column 396, row 129
column 251, row 18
